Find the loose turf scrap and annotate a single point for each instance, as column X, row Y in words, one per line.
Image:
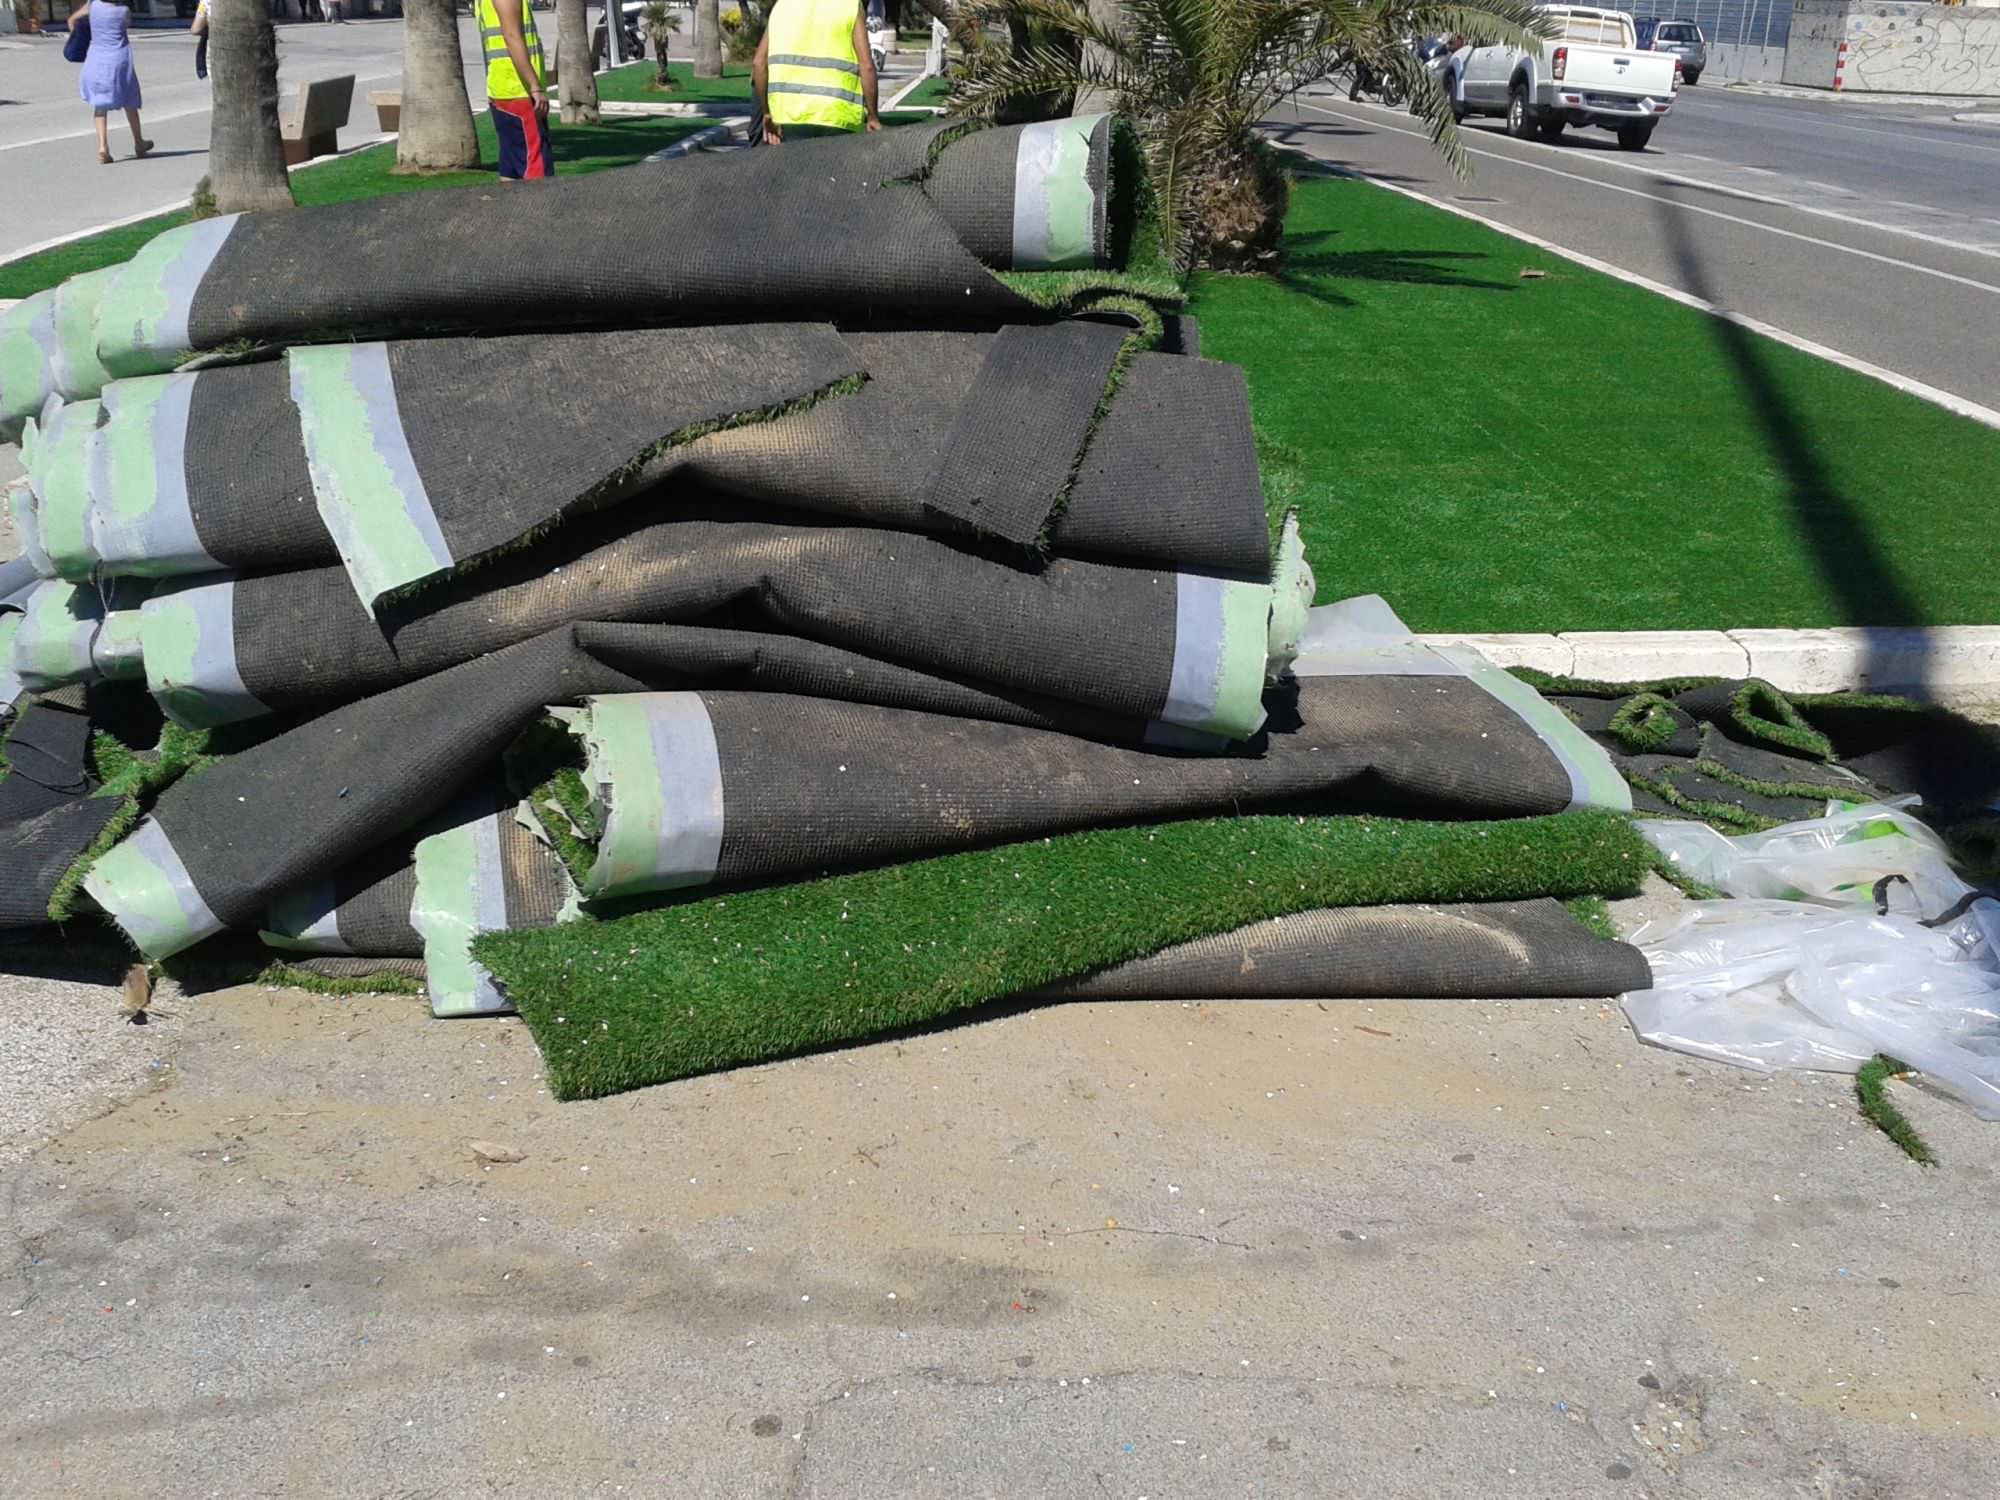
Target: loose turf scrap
column 743, row 978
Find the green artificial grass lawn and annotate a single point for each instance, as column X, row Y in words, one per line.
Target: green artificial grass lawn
column 1871, row 1093
column 742, row 978
column 631, row 84
column 1573, row 453
column 930, row 91
column 365, row 174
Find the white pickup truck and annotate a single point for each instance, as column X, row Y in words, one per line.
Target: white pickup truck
column 1591, row 73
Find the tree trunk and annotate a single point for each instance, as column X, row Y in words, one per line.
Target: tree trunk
column 707, row 39
column 1110, row 14
column 579, row 83
column 436, row 134
column 246, row 157
column 959, row 21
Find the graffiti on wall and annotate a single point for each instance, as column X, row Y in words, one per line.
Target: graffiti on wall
column 1927, row 49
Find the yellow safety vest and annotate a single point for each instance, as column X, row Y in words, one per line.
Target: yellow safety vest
column 502, row 80
column 814, row 78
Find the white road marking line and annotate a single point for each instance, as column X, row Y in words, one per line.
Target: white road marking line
column 77, row 135
column 1975, row 247
column 1904, row 135
column 1713, row 213
column 176, row 114
column 1985, row 415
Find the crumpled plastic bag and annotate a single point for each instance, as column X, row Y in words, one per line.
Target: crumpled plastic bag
column 1849, row 935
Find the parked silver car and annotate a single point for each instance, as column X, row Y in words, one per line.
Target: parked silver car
column 1681, row 37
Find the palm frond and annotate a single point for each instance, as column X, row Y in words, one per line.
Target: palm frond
column 1197, row 77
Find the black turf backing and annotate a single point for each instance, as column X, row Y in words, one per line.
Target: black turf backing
column 1021, row 430
column 304, row 639
column 1496, row 951
column 697, row 242
column 245, row 468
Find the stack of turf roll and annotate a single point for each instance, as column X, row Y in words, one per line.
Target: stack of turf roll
column 832, row 593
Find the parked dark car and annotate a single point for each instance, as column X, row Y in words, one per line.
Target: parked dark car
column 1679, row 36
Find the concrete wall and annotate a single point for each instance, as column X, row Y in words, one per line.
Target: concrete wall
column 1896, row 46
column 1752, row 64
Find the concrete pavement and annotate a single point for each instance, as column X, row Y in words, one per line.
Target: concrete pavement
column 1858, row 284
column 1381, row 1250
column 48, row 158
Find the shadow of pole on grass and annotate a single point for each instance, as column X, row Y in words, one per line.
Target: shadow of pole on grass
column 1862, row 579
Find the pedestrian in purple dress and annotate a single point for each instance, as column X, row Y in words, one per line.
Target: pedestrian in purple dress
column 109, row 80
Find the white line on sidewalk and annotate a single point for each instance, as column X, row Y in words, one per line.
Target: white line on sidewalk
column 1665, row 175
column 1984, row 415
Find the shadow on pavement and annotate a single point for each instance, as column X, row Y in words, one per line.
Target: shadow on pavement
column 1835, row 533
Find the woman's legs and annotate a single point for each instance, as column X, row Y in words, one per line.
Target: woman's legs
column 103, row 136
column 139, row 143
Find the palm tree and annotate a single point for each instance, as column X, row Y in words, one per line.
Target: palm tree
column 1197, row 76
column 436, row 131
column 660, row 24
column 246, row 156
column 707, row 39
column 579, row 83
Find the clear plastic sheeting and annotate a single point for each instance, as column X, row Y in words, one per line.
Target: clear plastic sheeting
column 1848, row 936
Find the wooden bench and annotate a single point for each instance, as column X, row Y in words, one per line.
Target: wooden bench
column 388, row 107
column 317, row 113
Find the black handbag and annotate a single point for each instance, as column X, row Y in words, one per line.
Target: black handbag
column 78, row 42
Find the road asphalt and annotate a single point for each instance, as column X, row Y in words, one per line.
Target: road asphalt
column 1854, row 273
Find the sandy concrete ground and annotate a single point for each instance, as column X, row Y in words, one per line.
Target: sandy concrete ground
column 1377, row 1250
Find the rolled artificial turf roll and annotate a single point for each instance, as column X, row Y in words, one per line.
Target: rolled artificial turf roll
column 847, row 228
column 750, row 976
column 1144, row 644
column 57, row 462
column 74, row 633
column 27, row 359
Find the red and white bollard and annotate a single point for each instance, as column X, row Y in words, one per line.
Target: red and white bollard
column 1839, row 66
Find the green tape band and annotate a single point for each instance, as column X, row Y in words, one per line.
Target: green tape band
column 11, row 686
column 187, row 636
column 60, row 477
column 1594, row 780
column 143, row 886
column 52, row 641
column 27, row 352
column 76, row 372
column 461, row 892
column 365, row 481
column 656, row 779
column 143, row 310
column 1055, row 207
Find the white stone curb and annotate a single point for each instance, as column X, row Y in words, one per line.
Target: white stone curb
column 1950, row 661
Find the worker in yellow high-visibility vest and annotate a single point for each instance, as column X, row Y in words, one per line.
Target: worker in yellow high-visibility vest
column 813, row 72
column 514, row 87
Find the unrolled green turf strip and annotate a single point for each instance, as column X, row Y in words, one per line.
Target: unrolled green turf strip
column 741, row 978
column 632, row 84
column 1574, row 453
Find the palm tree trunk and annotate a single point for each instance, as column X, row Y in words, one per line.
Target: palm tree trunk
column 707, row 39
column 579, row 84
column 436, row 131
column 1110, row 14
column 246, row 158
column 959, row 21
